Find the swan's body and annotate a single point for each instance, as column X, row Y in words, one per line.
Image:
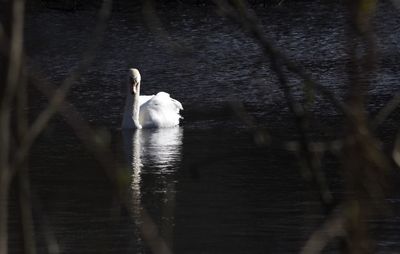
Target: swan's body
column 148, row 111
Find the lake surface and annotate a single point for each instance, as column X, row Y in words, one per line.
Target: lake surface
column 207, row 185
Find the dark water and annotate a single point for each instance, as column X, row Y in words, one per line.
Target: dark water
column 206, row 185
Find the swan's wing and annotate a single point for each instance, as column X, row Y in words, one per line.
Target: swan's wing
column 144, row 98
column 160, row 111
column 163, row 99
column 177, row 104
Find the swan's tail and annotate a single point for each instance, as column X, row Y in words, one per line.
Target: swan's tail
column 178, row 107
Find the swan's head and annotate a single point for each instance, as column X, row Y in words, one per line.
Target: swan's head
column 134, row 80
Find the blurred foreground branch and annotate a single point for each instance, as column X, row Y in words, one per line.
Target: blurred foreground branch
column 59, row 96
column 365, row 164
column 119, row 180
column 15, row 163
column 240, row 13
column 9, row 80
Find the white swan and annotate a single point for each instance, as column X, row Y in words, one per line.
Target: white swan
column 151, row 111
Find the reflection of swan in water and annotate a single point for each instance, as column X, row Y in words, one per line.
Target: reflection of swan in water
column 132, row 149
column 161, row 147
column 155, row 152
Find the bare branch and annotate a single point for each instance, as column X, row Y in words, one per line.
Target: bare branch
column 6, row 99
column 49, row 236
column 384, row 113
column 332, row 228
column 238, row 12
column 246, row 18
column 23, row 175
column 13, row 71
column 85, row 133
column 61, row 93
column 26, row 212
column 104, row 156
column 261, row 136
column 15, row 54
column 396, row 150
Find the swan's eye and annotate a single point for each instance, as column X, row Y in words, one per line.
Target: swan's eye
column 131, row 80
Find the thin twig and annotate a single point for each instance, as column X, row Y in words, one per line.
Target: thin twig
column 113, row 170
column 50, row 239
column 384, row 113
column 84, row 132
column 332, row 228
column 365, row 165
column 12, row 71
column 59, row 96
column 26, row 212
column 239, row 13
column 23, row 175
column 248, row 19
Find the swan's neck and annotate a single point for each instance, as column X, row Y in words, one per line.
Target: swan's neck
column 136, row 109
column 132, row 109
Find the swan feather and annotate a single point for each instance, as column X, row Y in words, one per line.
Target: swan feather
column 160, row 111
column 148, row 111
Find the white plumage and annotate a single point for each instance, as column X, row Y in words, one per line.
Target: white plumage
column 148, row 111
